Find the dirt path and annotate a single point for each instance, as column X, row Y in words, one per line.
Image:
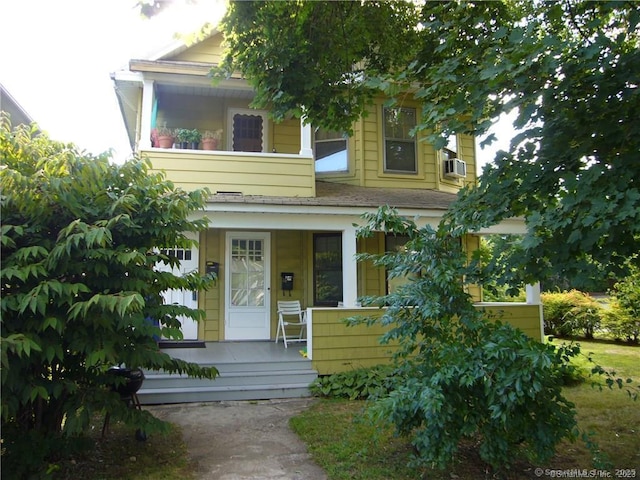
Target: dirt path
column 243, row 440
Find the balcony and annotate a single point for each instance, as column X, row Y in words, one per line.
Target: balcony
column 246, row 173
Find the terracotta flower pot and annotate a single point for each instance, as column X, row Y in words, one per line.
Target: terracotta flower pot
column 165, row 142
column 210, row 143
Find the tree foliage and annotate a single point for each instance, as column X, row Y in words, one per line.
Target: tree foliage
column 80, row 239
column 461, row 374
column 570, row 68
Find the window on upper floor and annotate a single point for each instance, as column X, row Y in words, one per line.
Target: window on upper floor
column 331, row 151
column 451, row 150
column 399, row 144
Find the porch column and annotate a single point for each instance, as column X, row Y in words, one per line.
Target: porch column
column 349, row 267
column 305, row 138
column 147, row 109
column 533, row 294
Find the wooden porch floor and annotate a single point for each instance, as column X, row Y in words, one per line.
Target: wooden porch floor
column 240, row 352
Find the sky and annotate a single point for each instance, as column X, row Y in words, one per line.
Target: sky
column 56, row 57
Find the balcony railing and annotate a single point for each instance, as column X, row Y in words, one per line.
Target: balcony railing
column 246, row 173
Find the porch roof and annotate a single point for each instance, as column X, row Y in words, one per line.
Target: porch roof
column 343, row 195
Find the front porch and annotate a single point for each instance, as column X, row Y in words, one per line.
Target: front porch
column 248, row 371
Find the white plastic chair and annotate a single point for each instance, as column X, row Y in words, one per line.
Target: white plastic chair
column 291, row 309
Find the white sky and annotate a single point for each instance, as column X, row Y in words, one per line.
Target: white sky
column 56, row 57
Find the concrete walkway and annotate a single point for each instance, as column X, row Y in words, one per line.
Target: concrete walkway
column 243, row 440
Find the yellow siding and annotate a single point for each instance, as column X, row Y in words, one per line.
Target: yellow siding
column 520, row 315
column 337, row 347
column 288, row 251
column 269, row 175
column 211, row 301
column 371, row 279
column 207, row 51
column 286, row 136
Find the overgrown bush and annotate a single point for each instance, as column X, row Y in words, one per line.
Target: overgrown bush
column 361, row 383
column 570, row 313
column 462, row 376
column 623, row 320
column 620, row 324
column 80, row 239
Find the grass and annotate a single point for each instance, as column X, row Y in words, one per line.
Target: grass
column 348, row 447
column 119, row 456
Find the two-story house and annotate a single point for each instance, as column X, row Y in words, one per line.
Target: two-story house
column 285, row 198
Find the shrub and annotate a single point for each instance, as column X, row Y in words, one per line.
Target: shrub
column 620, row 324
column 80, row 239
column 362, row 383
column 463, row 376
column 623, row 320
column 567, row 313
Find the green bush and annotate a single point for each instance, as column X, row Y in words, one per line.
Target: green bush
column 80, row 241
column 461, row 376
column 570, row 313
column 620, row 324
column 362, row 383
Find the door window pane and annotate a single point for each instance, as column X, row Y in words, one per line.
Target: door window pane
column 247, row 273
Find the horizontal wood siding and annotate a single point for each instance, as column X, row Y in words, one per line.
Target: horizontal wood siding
column 286, row 136
column 263, row 174
column 288, row 255
column 207, row 51
column 212, row 242
column 337, row 347
column 520, row 315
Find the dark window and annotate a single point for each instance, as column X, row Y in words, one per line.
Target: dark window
column 399, row 144
column 331, row 151
column 327, row 269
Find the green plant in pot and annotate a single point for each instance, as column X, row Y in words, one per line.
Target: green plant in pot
column 194, row 138
column 183, row 137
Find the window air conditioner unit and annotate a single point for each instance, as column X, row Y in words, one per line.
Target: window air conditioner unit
column 455, row 168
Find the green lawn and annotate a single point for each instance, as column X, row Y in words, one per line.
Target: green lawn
column 348, row 448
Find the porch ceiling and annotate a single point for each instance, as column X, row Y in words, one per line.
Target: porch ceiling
column 342, row 195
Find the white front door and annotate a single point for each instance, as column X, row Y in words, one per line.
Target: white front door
column 247, row 286
column 188, row 263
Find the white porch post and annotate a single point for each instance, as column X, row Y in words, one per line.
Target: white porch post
column 533, row 298
column 533, row 294
column 349, row 267
column 305, row 139
column 147, row 109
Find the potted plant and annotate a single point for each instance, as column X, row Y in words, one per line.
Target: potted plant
column 211, row 139
column 182, row 137
column 194, row 138
column 162, row 137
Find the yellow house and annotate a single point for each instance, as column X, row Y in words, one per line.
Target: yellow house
column 285, row 199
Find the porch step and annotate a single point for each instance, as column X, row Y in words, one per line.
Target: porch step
column 268, row 377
